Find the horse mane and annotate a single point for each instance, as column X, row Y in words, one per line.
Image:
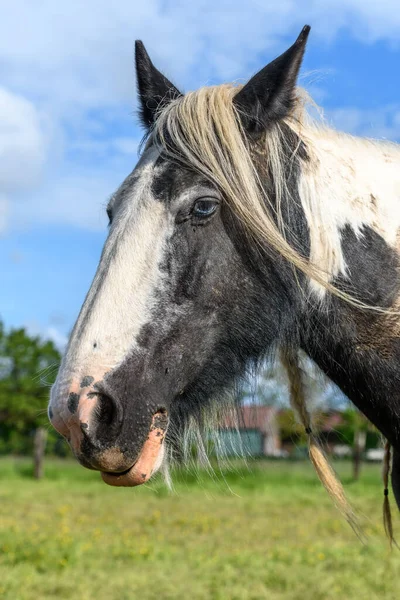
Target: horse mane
column 202, row 131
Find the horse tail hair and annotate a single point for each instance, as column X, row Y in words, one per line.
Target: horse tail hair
column 325, row 472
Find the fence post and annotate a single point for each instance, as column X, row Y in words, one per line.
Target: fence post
column 39, row 445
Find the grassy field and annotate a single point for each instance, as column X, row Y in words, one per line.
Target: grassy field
column 268, row 531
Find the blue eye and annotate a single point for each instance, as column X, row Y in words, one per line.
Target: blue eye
column 205, row 207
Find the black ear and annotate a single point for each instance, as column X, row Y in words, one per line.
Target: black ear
column 269, row 95
column 154, row 89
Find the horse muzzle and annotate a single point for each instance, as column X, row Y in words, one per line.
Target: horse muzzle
column 124, row 442
column 150, row 458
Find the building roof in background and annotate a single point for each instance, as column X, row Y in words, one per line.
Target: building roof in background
column 251, row 417
column 263, row 418
column 330, row 421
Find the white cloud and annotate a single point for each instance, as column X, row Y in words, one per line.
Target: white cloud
column 23, row 148
column 49, row 332
column 82, row 53
column 22, row 142
column 99, row 149
column 76, row 199
column 65, row 64
column 382, row 123
column 56, row 336
column 367, row 20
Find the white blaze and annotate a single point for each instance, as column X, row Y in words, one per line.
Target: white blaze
column 122, row 294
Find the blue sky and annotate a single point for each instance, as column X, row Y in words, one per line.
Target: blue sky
column 68, row 135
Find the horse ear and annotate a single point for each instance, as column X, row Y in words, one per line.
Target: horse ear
column 269, row 95
column 154, row 89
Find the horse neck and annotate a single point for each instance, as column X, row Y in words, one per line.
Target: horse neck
column 364, row 365
column 348, row 182
column 356, row 184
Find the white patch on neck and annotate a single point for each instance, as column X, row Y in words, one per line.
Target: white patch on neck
column 349, row 181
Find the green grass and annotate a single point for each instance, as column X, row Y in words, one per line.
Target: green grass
column 268, row 531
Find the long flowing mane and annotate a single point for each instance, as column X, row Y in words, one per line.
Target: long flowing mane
column 203, row 131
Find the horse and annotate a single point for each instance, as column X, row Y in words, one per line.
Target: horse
column 246, row 228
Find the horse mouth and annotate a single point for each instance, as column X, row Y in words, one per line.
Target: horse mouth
column 150, row 458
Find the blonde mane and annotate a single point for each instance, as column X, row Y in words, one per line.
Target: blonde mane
column 202, row 130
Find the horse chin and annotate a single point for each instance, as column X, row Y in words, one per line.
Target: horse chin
column 149, row 461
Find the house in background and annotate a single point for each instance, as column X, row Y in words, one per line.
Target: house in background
column 258, row 430
column 252, row 431
column 328, row 426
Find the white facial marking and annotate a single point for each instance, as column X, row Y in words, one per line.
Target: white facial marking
column 122, row 294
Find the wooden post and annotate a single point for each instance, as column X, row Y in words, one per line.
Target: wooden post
column 39, row 446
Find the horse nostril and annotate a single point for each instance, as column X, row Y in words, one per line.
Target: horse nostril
column 106, row 410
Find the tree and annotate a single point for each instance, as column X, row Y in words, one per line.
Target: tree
column 354, row 431
column 26, row 372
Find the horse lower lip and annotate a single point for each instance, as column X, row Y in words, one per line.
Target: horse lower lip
column 129, row 478
column 119, row 472
column 145, row 465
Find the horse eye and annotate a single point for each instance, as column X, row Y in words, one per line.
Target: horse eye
column 205, row 207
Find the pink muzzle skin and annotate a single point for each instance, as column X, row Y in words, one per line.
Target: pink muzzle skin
column 74, row 420
column 149, row 459
column 73, row 417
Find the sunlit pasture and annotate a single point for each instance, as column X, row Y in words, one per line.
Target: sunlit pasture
column 263, row 531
